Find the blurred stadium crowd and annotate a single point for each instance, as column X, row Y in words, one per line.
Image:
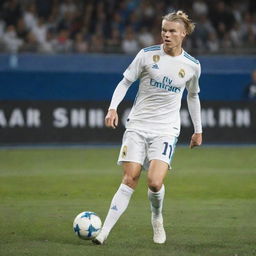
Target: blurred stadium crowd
column 123, row 26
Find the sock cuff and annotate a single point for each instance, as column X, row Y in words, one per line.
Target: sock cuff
column 162, row 190
column 126, row 189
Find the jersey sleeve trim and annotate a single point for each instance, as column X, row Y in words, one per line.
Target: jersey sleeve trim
column 152, row 48
column 191, row 58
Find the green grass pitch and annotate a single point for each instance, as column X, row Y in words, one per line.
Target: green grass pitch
column 209, row 209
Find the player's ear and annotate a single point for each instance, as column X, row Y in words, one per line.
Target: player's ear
column 184, row 33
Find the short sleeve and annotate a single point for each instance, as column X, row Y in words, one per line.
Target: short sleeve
column 132, row 73
column 193, row 84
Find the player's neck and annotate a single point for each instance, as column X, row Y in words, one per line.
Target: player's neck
column 175, row 51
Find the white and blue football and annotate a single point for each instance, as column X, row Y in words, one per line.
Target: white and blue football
column 87, row 225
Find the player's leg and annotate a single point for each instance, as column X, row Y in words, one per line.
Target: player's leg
column 160, row 154
column 120, row 200
column 156, row 190
column 131, row 157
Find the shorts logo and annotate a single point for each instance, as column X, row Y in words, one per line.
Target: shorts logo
column 182, row 73
column 124, row 151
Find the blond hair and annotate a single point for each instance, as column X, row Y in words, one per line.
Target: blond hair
column 181, row 16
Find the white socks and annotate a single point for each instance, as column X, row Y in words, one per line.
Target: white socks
column 120, row 202
column 118, row 205
column 156, row 202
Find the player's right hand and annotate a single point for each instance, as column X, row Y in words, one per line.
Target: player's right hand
column 111, row 119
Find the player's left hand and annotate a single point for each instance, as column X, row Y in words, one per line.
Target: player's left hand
column 196, row 140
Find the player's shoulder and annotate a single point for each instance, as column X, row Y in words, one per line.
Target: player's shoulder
column 190, row 59
column 148, row 52
column 152, row 48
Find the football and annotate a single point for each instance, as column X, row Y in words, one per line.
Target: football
column 87, row 225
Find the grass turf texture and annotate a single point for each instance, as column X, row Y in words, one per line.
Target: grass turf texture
column 210, row 204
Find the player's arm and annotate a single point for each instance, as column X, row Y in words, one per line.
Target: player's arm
column 131, row 74
column 111, row 119
column 194, row 108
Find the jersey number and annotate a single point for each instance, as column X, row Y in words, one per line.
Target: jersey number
column 166, row 147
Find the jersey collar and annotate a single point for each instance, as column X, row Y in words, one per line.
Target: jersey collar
column 164, row 53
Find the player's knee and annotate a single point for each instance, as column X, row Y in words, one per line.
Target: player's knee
column 154, row 185
column 130, row 181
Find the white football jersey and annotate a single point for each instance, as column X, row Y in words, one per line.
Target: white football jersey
column 163, row 79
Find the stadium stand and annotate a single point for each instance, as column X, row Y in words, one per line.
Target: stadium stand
column 110, row 26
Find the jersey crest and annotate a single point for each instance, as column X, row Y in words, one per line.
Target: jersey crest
column 156, row 58
column 181, row 73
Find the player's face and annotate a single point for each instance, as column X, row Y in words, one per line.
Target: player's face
column 172, row 34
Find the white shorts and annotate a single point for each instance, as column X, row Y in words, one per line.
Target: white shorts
column 142, row 147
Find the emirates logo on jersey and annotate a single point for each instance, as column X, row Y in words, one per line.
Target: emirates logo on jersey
column 165, row 84
column 182, row 73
